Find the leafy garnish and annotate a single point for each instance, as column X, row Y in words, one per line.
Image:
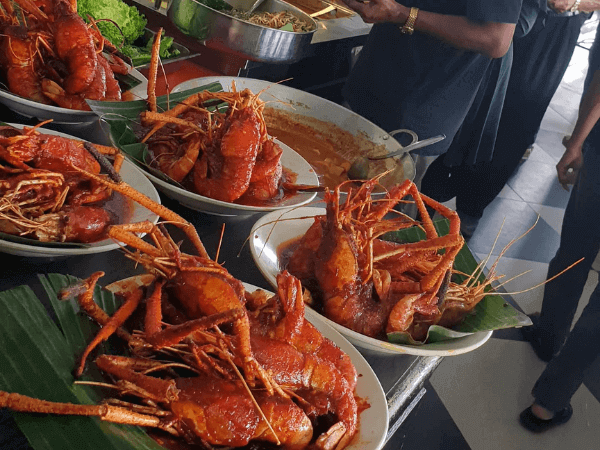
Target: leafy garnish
column 142, row 54
column 128, row 18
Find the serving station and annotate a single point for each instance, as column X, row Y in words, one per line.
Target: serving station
column 320, row 70
column 402, row 376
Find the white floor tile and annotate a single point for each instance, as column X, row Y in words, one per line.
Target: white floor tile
column 553, row 121
column 537, row 182
column 539, row 154
column 588, row 30
column 566, row 103
column 551, row 143
column 553, row 216
column 508, row 192
column 485, row 390
column 574, row 76
column 520, row 279
column 450, row 204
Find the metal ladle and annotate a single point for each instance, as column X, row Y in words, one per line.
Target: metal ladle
column 359, row 169
column 254, row 5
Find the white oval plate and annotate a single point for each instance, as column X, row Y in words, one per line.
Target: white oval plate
column 131, row 175
column 289, row 159
column 30, row 108
column 273, row 229
column 373, row 422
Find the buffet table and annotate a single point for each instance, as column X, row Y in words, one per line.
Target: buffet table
column 401, row 376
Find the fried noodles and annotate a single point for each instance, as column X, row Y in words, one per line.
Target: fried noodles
column 273, row 20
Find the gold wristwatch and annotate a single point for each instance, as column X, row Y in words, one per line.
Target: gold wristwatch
column 575, row 7
column 409, row 25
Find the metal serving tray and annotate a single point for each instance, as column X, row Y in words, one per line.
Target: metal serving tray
column 184, row 52
column 217, row 30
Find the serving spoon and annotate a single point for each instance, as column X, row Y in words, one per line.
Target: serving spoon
column 325, row 10
column 359, row 169
column 255, row 5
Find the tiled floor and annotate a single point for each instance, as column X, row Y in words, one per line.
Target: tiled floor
column 474, row 400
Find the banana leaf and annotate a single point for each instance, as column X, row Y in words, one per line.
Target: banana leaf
column 118, row 111
column 493, row 312
column 37, row 357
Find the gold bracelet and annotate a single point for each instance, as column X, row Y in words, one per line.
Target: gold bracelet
column 409, row 26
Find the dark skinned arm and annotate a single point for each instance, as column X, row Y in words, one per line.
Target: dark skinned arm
column 589, row 113
column 561, row 6
column 491, row 39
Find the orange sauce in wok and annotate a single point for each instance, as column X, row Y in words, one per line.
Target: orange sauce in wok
column 329, row 149
column 317, row 149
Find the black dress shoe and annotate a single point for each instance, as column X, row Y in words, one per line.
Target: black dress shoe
column 531, row 335
column 536, row 425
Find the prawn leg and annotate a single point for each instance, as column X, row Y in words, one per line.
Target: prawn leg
column 126, row 190
column 107, row 413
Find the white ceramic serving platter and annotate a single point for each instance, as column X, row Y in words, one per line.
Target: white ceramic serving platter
column 130, row 175
column 30, row 108
column 275, row 228
column 289, row 159
column 373, row 422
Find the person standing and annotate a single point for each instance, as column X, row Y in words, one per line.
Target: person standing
column 424, row 61
column 540, row 60
column 570, row 352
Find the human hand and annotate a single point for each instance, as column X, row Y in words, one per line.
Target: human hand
column 560, row 6
column 379, row 11
column 568, row 167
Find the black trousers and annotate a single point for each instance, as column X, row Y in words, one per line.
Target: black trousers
column 579, row 238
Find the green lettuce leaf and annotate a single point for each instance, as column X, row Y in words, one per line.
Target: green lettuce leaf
column 128, row 18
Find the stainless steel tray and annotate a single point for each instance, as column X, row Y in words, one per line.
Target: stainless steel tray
column 217, row 30
column 184, row 52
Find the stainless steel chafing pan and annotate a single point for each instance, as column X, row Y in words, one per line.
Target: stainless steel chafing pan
column 217, row 30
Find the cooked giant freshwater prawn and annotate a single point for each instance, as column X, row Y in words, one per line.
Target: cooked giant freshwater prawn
column 373, row 286
column 48, row 54
column 224, row 155
column 43, row 197
column 248, row 357
column 377, row 287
